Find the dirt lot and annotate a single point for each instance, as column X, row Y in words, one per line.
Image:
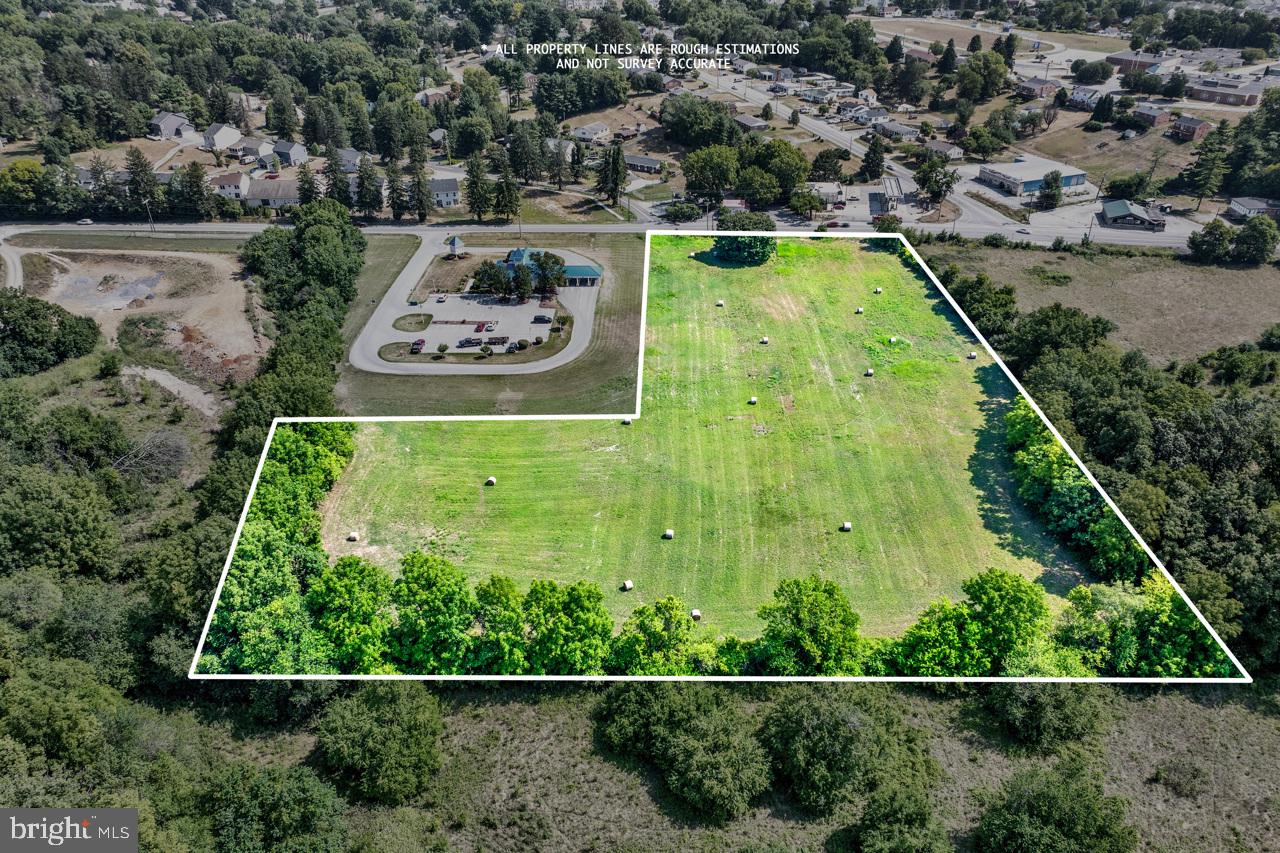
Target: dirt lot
column 1167, row 308
column 199, row 300
column 114, row 154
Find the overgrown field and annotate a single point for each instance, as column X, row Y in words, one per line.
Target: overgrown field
column 1165, row 307
column 913, row 456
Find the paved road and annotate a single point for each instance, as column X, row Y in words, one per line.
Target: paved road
column 379, row 331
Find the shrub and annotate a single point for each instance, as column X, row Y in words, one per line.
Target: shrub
column 828, row 745
column 383, row 740
column 1058, row 809
column 1045, row 716
column 1183, row 777
column 697, row 738
column 522, row 344
column 1092, row 126
column 110, row 365
column 682, row 211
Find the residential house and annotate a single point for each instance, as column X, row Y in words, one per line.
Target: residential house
column 438, row 136
column 829, row 191
column 1151, row 115
column 1025, row 175
column 350, row 159
column 596, row 133
column 817, row 96
column 1247, row 207
column 1190, row 128
column 1037, row 87
column 750, row 123
column 947, row 150
column 742, row 65
column 872, row 116
column 445, row 192
column 251, row 149
column 637, row 163
column 1083, row 98
column 220, row 137
column 565, row 147
column 897, row 131
column 626, row 133
column 433, row 96
column 273, row 194
column 869, row 97
column 1121, row 213
column 233, row 185
column 167, row 125
column 920, row 55
column 775, row 74
column 290, row 153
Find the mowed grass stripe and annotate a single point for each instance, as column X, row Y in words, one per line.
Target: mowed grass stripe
column 755, row 494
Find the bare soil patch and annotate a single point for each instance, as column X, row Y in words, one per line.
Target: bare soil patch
column 197, row 303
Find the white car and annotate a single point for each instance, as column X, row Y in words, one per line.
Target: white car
column 84, row 221
column 440, row 299
column 1024, row 230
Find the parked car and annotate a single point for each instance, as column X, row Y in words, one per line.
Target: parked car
column 416, row 346
column 469, row 342
column 440, row 298
column 489, row 327
column 542, row 318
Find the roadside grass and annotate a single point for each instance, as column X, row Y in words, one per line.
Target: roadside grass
column 385, row 256
column 140, row 241
column 601, row 380
column 1168, row 308
column 38, row 272
column 1018, row 214
column 755, row 493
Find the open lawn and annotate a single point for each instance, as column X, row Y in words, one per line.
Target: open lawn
column 755, row 493
column 1163, row 306
column 600, row 380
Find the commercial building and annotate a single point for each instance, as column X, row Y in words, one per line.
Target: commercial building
column 1025, row 175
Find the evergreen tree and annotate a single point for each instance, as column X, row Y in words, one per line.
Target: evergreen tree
column 894, row 50
column 975, row 44
column 506, row 197
column 948, row 62
column 873, row 160
column 397, row 197
column 611, row 174
column 1205, row 175
column 578, row 162
column 424, row 202
column 794, row 118
column 1105, row 110
column 308, row 189
column 335, row 180
column 368, row 189
column 527, row 147
column 557, row 166
column 766, row 114
column 478, row 189
column 282, row 117
column 144, row 189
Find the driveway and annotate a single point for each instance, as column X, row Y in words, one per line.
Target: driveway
column 379, row 331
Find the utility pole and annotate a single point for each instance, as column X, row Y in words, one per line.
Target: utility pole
column 146, row 202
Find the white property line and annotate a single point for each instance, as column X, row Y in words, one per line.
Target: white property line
column 1245, row 678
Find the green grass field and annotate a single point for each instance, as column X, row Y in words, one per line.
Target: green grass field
column 755, row 493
